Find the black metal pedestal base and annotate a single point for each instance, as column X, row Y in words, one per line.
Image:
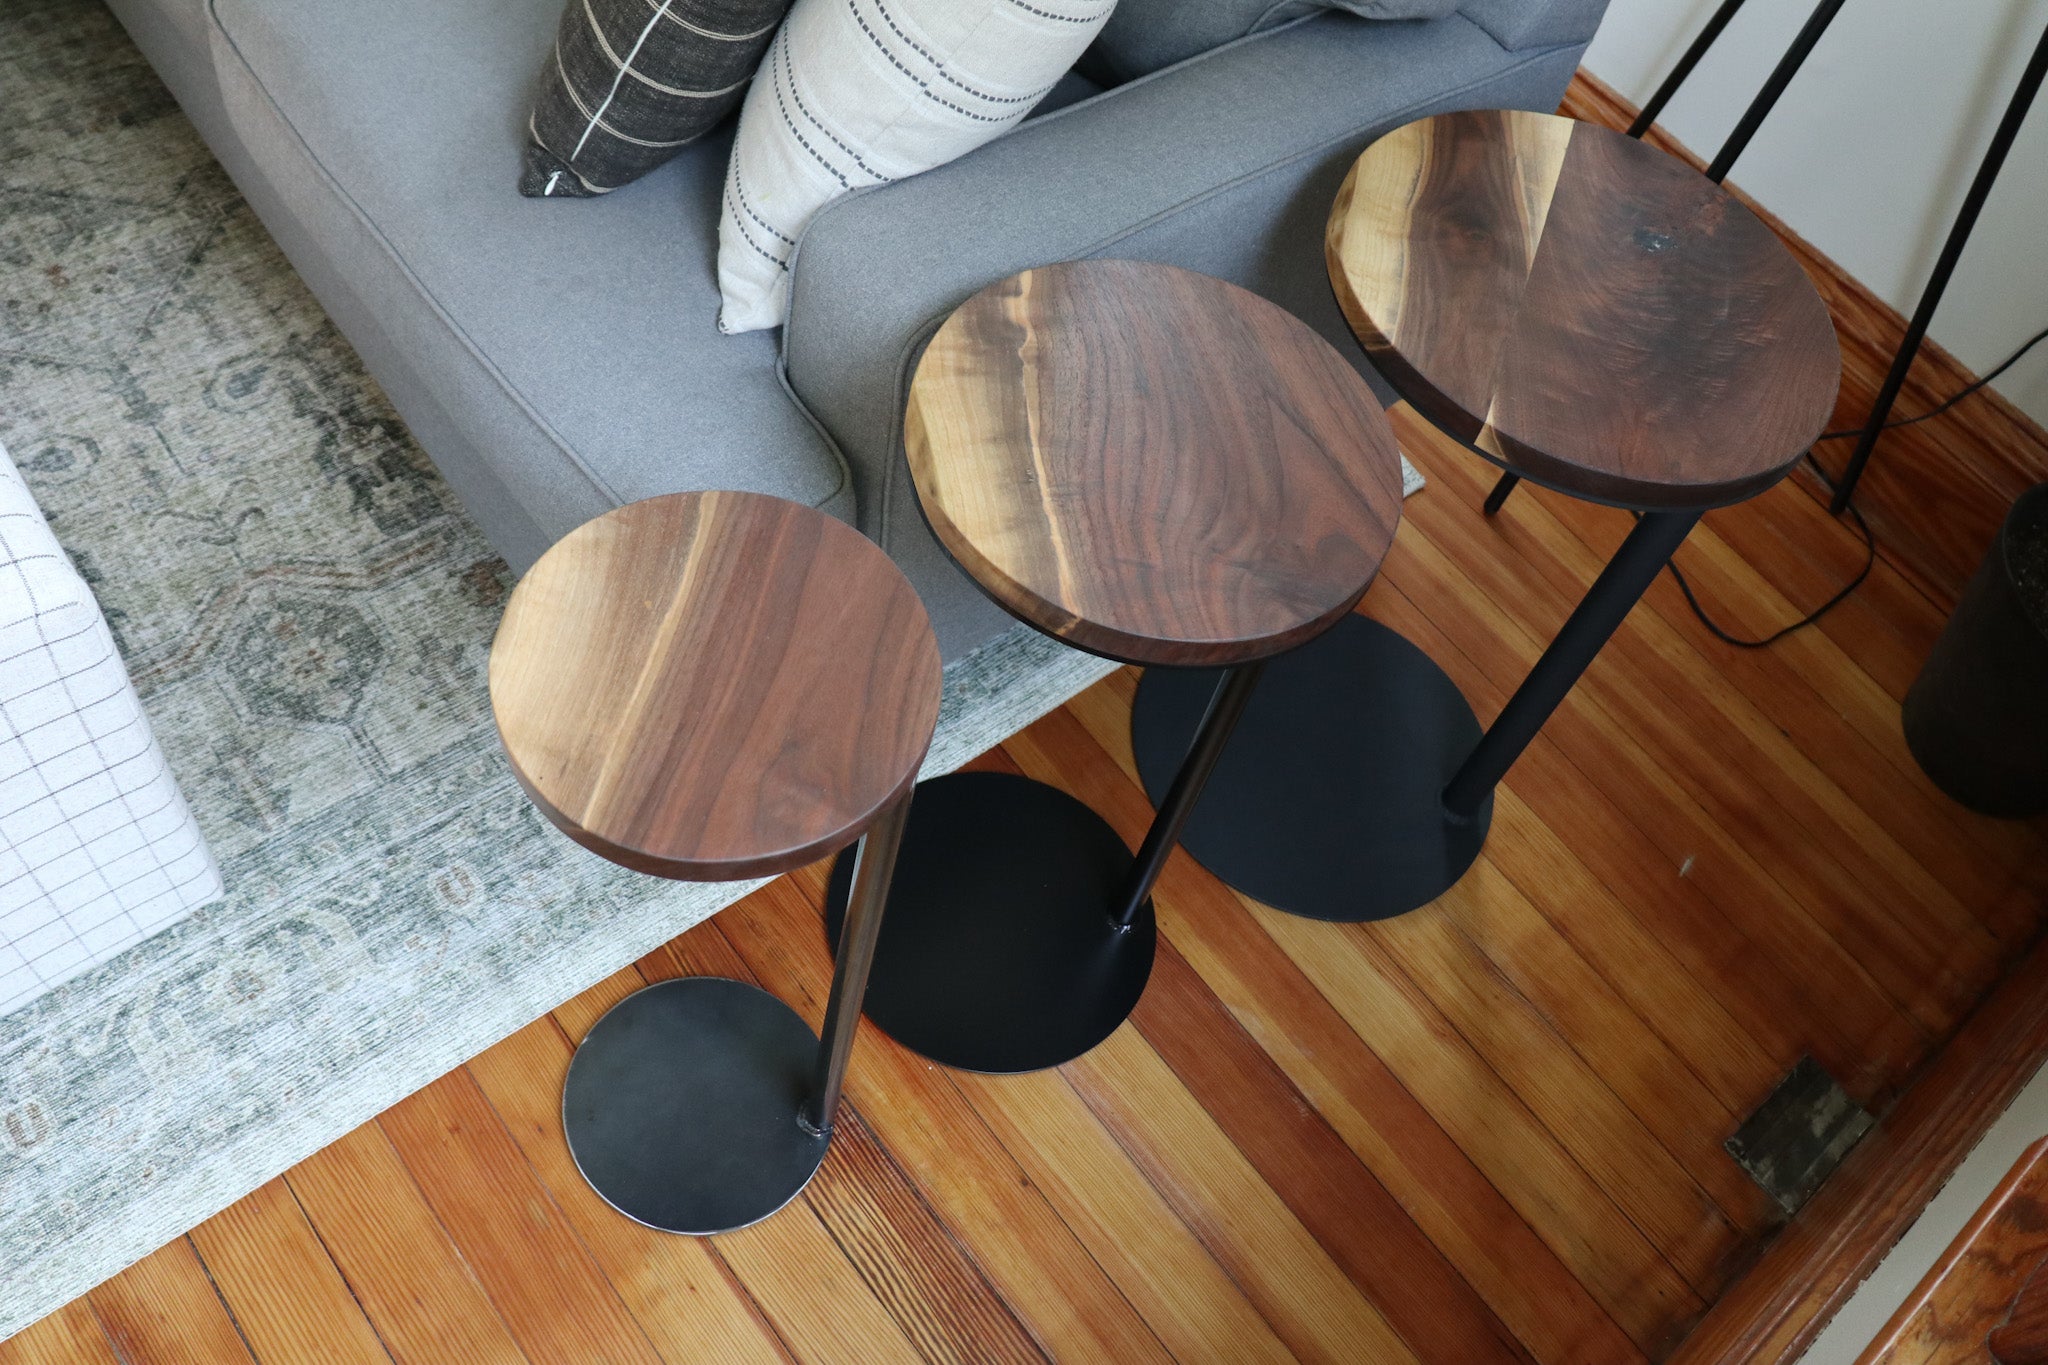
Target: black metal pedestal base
column 682, row 1105
column 997, row 953
column 1327, row 802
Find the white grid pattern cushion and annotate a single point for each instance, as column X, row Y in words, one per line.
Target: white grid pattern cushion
column 97, row 847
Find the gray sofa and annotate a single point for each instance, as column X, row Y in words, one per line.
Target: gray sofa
column 558, row 358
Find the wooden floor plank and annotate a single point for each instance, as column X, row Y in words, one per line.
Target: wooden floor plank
column 678, row 1289
column 1965, row 851
column 1836, row 868
column 552, row 1296
column 163, row 1310
column 1909, row 851
column 1029, row 1254
column 1297, row 1286
column 1433, row 1166
column 1641, row 1177
column 1295, row 1150
column 69, row 1336
column 1319, row 1179
column 284, row 1290
column 1565, row 1203
column 410, row 1279
column 936, row 1293
column 1664, row 994
column 1887, row 625
column 1498, row 930
column 1633, row 1280
column 1836, row 714
column 1198, row 1311
column 1651, row 841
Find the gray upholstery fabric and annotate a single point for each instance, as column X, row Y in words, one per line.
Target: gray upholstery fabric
column 546, row 394
column 1167, row 168
column 1536, row 23
column 544, row 390
column 1144, row 36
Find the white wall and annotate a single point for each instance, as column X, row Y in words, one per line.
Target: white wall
column 1870, row 151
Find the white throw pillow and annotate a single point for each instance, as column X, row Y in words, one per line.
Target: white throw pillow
column 861, row 92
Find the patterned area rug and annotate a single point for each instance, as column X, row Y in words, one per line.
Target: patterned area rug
column 306, row 612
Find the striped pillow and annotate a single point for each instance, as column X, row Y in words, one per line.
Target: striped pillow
column 630, row 83
column 862, row 92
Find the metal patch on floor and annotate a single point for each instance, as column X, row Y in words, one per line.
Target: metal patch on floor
column 1799, row 1135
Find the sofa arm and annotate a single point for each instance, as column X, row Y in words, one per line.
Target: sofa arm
column 1519, row 24
column 1225, row 164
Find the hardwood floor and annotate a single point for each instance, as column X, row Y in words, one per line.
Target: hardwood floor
column 1488, row 1131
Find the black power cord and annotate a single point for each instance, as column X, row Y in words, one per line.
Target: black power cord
column 1869, row 538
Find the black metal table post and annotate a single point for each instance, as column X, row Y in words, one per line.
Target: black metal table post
column 701, row 1105
column 1002, row 959
column 1635, row 566
column 1226, row 707
column 874, row 866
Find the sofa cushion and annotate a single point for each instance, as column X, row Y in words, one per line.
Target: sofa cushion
column 544, row 390
column 855, row 93
column 1519, row 24
column 628, row 84
column 1147, row 35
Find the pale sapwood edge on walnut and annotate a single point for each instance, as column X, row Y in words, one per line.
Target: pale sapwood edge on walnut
column 714, row 686
column 1581, row 309
column 1151, row 464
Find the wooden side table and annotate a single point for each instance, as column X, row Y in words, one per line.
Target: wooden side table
column 711, row 687
column 1154, row 466
column 1588, row 313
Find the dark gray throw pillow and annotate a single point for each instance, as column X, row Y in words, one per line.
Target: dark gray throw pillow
column 629, row 83
column 1144, row 35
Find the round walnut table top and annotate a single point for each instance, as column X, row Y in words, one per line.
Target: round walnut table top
column 1585, row 310
column 710, row 686
column 1151, row 464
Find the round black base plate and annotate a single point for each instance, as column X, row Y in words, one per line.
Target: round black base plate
column 682, row 1105
column 997, row 953
column 1326, row 802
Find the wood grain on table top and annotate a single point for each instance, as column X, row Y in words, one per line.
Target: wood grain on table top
column 1151, row 464
column 1584, row 309
column 712, row 686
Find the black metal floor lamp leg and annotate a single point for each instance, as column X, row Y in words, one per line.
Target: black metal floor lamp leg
column 1944, row 266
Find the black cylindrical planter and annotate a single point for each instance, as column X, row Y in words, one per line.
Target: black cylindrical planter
column 1977, row 716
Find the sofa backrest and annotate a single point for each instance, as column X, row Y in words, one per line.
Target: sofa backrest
column 1143, row 36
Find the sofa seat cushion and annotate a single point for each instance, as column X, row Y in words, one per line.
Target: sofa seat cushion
column 569, row 348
